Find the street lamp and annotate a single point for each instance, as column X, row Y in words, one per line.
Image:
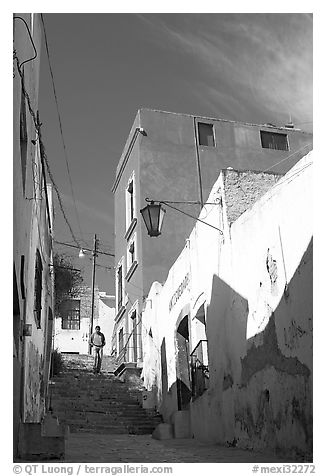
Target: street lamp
column 153, row 215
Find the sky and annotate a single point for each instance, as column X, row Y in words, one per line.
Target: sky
column 248, row 67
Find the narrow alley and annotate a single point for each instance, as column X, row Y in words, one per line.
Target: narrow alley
column 108, row 425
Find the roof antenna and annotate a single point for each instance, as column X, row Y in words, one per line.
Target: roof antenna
column 290, row 124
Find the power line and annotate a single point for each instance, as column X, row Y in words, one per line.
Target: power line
column 86, row 249
column 60, row 124
column 288, row 157
column 43, row 156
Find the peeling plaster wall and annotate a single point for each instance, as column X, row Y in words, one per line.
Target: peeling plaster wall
column 243, row 188
column 256, row 284
column 260, row 324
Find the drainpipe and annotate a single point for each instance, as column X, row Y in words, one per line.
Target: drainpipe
column 198, row 165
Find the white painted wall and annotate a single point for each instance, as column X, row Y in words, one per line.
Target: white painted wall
column 77, row 341
column 106, row 319
column 259, row 333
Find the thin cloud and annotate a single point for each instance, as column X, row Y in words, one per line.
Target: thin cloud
column 259, row 62
column 86, row 209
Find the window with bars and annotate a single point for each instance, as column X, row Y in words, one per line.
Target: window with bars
column 206, row 134
column 274, row 140
column 38, row 288
column 70, row 314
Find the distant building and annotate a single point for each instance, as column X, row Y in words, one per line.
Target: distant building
column 73, row 319
column 33, row 306
column 227, row 339
column 170, row 156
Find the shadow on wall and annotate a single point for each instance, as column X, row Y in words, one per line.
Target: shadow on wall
column 260, row 393
column 178, row 395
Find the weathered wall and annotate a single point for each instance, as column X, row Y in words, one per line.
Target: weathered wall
column 256, row 287
column 31, row 228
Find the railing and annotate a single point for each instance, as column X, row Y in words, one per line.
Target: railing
column 199, row 369
column 128, row 352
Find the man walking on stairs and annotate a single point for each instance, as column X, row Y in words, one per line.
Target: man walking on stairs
column 97, row 342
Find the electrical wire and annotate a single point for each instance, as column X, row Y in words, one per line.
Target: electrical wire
column 60, row 124
column 43, row 156
column 30, row 36
column 287, row 158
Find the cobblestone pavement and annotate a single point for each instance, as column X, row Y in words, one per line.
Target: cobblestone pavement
column 96, row 448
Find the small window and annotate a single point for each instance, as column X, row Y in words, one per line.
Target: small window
column 130, row 202
column 132, row 252
column 70, row 314
column 38, row 288
column 206, row 134
column 119, row 285
column 120, row 338
column 274, row 140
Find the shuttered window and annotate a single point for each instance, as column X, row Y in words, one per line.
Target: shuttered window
column 274, row 140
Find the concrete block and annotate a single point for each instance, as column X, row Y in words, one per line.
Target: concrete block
column 181, row 424
column 163, row 431
column 35, row 447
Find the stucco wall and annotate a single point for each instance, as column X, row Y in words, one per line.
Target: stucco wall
column 168, row 170
column 164, row 160
column 105, row 319
column 255, row 283
column 31, row 233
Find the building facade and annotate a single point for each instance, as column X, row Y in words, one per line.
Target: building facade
column 32, row 236
column 178, row 157
column 73, row 320
column 227, row 339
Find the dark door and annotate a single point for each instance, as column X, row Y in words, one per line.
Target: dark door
column 182, row 365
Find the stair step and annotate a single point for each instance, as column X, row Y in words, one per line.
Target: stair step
column 98, row 403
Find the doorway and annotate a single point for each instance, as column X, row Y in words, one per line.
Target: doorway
column 182, row 365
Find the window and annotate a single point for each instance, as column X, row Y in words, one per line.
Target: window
column 206, row 134
column 131, row 251
column 130, row 191
column 70, row 314
column 23, row 138
column 274, row 140
column 120, row 339
column 119, row 285
column 130, row 202
column 38, row 288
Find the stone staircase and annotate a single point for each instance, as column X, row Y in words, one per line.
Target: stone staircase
column 98, row 403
